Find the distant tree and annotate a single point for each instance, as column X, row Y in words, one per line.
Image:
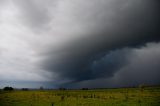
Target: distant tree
column 85, row 88
column 8, row 89
column 41, row 88
column 61, row 88
column 25, row 89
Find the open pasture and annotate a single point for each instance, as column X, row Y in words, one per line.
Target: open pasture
column 99, row 97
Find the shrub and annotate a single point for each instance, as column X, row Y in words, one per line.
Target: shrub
column 41, row 88
column 85, row 88
column 142, row 86
column 62, row 88
column 25, row 89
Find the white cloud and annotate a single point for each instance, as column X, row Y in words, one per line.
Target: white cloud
column 17, row 56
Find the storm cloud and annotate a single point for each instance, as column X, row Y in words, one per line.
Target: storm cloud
column 120, row 26
column 81, row 42
column 129, row 67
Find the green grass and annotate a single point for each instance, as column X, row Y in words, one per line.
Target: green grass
column 102, row 97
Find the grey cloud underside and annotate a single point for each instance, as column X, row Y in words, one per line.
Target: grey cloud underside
column 129, row 26
column 139, row 66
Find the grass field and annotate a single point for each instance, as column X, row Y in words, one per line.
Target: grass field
column 102, row 97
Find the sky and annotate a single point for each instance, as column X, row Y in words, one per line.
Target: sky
column 79, row 43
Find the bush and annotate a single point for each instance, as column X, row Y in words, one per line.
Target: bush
column 41, row 88
column 25, row 89
column 62, row 88
column 8, row 89
column 85, row 88
column 142, row 86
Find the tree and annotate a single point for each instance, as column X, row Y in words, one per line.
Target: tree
column 85, row 88
column 25, row 89
column 8, row 88
column 61, row 88
column 41, row 88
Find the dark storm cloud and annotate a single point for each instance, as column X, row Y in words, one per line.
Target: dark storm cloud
column 131, row 67
column 126, row 24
